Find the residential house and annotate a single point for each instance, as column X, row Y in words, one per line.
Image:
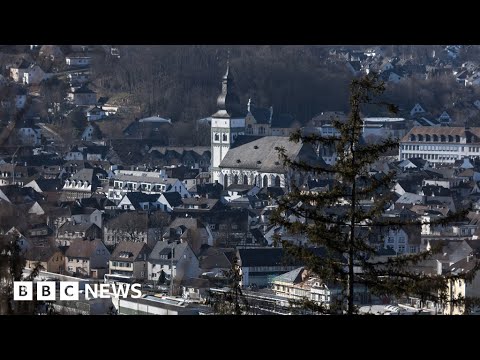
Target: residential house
column 444, row 118
column 48, row 187
column 216, row 261
column 22, row 241
column 175, row 260
column 392, row 76
column 82, row 96
column 417, row 109
column 413, row 163
column 18, row 70
column 190, row 230
column 404, row 240
column 87, row 258
column 70, row 231
column 124, row 228
column 91, row 133
column 125, row 181
column 74, row 154
column 49, row 257
column 86, row 215
column 78, row 61
column 77, row 79
column 83, row 184
column 28, row 133
column 96, row 113
column 207, row 190
column 17, row 195
column 265, row 122
column 197, row 205
column 130, row 259
column 11, row 174
column 138, row 201
column 34, row 75
column 461, row 288
column 196, row 157
column 237, row 191
column 168, row 200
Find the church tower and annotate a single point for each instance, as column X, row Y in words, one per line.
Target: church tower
column 227, row 123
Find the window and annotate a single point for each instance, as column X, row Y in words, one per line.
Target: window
column 401, row 239
column 217, row 137
column 390, row 239
column 224, row 137
column 401, row 249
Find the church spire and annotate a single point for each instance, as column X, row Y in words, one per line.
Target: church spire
column 228, row 102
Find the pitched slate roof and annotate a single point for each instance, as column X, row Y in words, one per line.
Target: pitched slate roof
column 216, row 258
column 82, row 248
column 71, row 227
column 433, row 190
column 129, row 251
column 261, row 155
column 47, row 185
column 261, row 115
column 41, row 253
column 136, row 197
column 270, row 257
column 163, row 248
column 473, row 132
column 83, row 175
column 292, row 277
column 173, row 198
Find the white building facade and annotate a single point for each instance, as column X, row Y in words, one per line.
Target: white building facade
column 440, row 144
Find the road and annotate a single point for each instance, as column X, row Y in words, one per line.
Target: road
column 56, row 136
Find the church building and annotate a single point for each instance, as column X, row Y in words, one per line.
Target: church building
column 238, row 158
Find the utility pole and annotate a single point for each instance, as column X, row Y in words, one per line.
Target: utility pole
column 13, row 165
column 171, row 268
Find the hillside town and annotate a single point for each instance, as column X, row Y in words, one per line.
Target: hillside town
column 138, row 206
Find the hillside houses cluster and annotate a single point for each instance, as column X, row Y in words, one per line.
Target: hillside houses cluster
column 175, row 218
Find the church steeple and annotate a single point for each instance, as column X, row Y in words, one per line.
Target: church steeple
column 227, row 124
column 228, row 102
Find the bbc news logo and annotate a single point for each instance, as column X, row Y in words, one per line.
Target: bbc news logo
column 69, row 290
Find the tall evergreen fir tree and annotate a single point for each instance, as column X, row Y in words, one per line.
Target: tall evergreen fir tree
column 12, row 263
column 349, row 219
